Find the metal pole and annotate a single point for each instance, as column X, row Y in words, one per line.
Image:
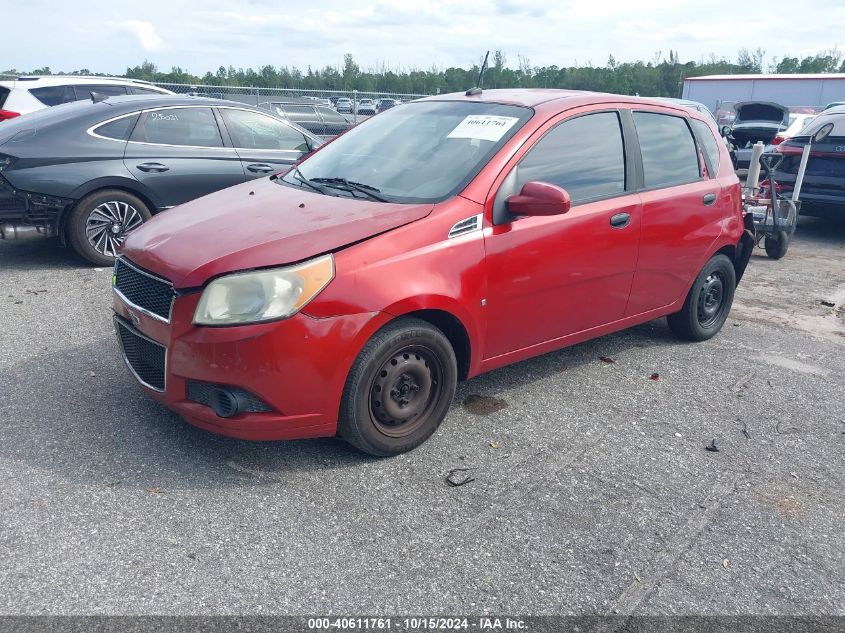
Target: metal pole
column 355, row 106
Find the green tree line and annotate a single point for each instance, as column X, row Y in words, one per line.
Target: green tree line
column 662, row 76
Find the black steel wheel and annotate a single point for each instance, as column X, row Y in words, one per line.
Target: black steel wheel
column 708, row 302
column 399, row 388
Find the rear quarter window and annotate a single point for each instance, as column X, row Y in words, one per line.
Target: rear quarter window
column 669, row 153
column 711, row 146
column 118, row 129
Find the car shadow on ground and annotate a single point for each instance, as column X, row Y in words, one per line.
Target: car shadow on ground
column 95, row 423
column 38, row 254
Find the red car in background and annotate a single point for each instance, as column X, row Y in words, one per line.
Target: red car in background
column 439, row 240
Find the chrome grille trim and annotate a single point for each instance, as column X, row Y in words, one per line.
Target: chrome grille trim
column 153, row 315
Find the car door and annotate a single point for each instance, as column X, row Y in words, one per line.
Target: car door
column 682, row 211
column 552, row 276
column 265, row 145
column 178, row 153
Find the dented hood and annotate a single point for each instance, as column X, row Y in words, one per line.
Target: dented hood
column 255, row 225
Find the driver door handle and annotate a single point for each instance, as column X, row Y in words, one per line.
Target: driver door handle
column 153, row 167
column 620, row 220
column 709, row 199
column 260, row 168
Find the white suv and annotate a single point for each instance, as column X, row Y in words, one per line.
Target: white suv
column 27, row 94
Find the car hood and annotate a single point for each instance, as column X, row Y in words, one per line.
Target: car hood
column 255, row 225
column 761, row 111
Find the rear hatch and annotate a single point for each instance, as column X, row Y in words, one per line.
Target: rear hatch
column 758, row 121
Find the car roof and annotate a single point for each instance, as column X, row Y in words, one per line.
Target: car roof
column 114, row 107
column 550, row 98
column 43, row 80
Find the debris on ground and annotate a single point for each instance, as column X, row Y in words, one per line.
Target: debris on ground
column 745, row 431
column 495, row 445
column 655, row 376
column 726, row 563
column 678, row 435
column 606, row 359
column 828, row 304
column 713, row 446
column 637, row 577
column 484, row 405
column 454, row 478
column 156, row 491
column 92, row 374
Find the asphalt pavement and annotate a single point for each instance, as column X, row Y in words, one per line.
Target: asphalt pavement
column 593, row 489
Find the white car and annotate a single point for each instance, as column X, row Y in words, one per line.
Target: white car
column 30, row 93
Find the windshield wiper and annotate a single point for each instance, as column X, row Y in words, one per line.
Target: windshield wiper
column 310, row 183
column 350, row 185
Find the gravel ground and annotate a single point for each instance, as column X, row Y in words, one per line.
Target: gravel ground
column 593, row 491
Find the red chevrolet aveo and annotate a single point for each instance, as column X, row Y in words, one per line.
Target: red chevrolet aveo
column 436, row 241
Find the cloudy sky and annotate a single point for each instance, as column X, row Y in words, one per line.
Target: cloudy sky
column 109, row 35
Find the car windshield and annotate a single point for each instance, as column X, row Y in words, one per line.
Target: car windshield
column 420, row 152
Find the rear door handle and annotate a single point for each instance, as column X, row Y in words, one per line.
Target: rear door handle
column 709, row 198
column 260, row 168
column 620, row 220
column 152, row 167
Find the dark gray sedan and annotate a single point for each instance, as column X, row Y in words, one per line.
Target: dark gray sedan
column 91, row 172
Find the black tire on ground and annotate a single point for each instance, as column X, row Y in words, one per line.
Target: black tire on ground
column 777, row 245
column 106, row 216
column 708, row 302
column 399, row 389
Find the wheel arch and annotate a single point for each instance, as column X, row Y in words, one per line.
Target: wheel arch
column 451, row 318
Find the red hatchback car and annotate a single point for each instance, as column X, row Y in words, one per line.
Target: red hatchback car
column 438, row 240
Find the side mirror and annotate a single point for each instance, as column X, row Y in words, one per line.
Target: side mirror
column 539, row 198
column 726, row 130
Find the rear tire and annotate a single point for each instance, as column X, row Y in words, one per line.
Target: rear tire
column 99, row 223
column 708, row 302
column 399, row 389
column 777, row 245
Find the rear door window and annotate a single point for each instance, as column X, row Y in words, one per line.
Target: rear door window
column 53, row 95
column 251, row 130
column 135, row 90
column 193, row 127
column 584, row 155
column 669, row 153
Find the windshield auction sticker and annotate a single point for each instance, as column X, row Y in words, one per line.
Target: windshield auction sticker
column 486, row 127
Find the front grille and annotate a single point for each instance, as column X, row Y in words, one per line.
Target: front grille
column 206, row 392
column 142, row 289
column 145, row 357
column 12, row 204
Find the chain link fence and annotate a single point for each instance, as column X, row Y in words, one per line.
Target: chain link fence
column 325, row 113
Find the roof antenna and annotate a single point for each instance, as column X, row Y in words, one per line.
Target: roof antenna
column 477, row 89
column 96, row 97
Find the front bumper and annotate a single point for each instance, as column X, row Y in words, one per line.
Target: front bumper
column 297, row 366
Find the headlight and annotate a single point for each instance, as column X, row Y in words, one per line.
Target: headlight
column 263, row 295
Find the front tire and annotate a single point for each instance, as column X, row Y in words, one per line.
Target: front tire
column 399, row 389
column 99, row 223
column 708, row 302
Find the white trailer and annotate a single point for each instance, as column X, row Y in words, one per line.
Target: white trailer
column 796, row 92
